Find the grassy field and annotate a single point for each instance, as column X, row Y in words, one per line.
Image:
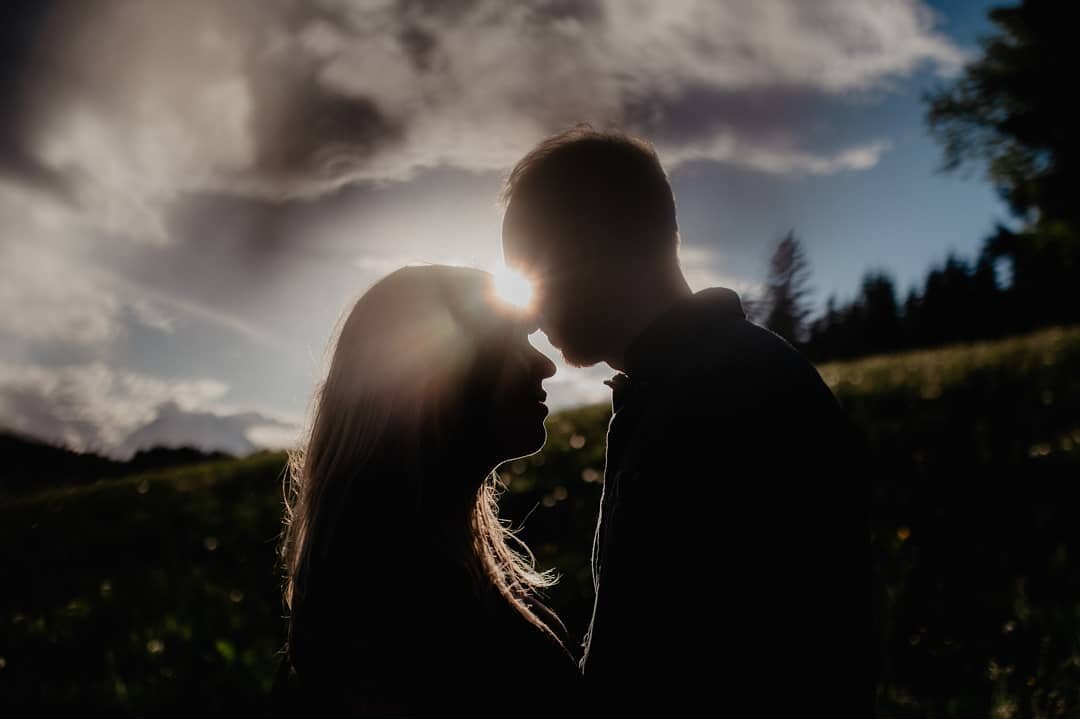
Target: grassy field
column 158, row 594
column 975, row 508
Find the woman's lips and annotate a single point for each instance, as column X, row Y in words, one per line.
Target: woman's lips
column 538, row 401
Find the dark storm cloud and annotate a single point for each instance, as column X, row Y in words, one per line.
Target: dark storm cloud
column 176, row 130
column 768, row 114
column 20, row 23
column 302, row 130
column 419, row 45
column 159, row 159
column 134, row 102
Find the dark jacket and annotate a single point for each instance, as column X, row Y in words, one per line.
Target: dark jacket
column 732, row 541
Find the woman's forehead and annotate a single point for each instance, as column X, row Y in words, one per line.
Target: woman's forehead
column 513, row 325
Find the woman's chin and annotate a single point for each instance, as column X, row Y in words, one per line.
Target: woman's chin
column 526, row 442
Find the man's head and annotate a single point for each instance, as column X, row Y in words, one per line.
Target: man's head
column 590, row 219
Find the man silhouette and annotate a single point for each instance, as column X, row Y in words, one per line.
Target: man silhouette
column 726, row 547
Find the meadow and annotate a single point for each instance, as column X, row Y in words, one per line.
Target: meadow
column 159, row 593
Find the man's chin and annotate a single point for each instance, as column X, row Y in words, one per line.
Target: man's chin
column 578, row 361
column 573, row 355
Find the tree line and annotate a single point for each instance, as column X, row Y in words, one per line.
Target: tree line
column 1009, row 114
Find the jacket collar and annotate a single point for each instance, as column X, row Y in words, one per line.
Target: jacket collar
column 677, row 329
column 674, row 332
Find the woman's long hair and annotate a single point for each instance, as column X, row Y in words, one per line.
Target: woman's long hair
column 382, row 424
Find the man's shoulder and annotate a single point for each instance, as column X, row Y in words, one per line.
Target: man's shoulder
column 743, row 354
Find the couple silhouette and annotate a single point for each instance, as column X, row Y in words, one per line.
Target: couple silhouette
column 727, row 548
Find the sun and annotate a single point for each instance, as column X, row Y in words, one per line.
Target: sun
column 512, row 287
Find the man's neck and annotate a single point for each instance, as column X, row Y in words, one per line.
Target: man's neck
column 649, row 304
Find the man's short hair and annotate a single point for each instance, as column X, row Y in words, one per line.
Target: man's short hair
column 602, row 187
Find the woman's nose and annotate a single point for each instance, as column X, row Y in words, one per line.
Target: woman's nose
column 545, row 366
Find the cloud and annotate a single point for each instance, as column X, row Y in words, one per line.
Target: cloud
column 158, row 309
column 93, row 407
column 45, row 298
column 142, row 102
column 726, row 147
column 54, row 289
column 151, row 315
column 703, row 267
column 148, row 146
column 272, row 434
column 381, row 265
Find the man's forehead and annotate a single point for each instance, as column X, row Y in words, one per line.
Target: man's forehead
column 520, row 227
column 538, row 242
column 524, row 238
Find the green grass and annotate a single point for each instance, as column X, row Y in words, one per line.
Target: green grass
column 931, row 373
column 144, row 595
column 975, row 500
column 158, row 594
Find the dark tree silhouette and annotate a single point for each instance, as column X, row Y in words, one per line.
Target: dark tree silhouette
column 785, row 302
column 1012, row 112
column 1045, row 277
column 879, row 315
column 871, row 324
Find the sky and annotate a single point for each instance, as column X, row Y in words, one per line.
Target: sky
column 192, row 194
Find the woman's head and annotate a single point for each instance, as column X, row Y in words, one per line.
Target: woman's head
column 432, row 384
column 427, row 347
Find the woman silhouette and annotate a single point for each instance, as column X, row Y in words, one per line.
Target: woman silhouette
column 405, row 592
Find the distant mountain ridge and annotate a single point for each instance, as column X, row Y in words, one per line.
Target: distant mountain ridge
column 206, row 430
column 32, row 465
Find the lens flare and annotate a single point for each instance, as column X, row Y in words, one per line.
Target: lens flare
column 512, row 287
